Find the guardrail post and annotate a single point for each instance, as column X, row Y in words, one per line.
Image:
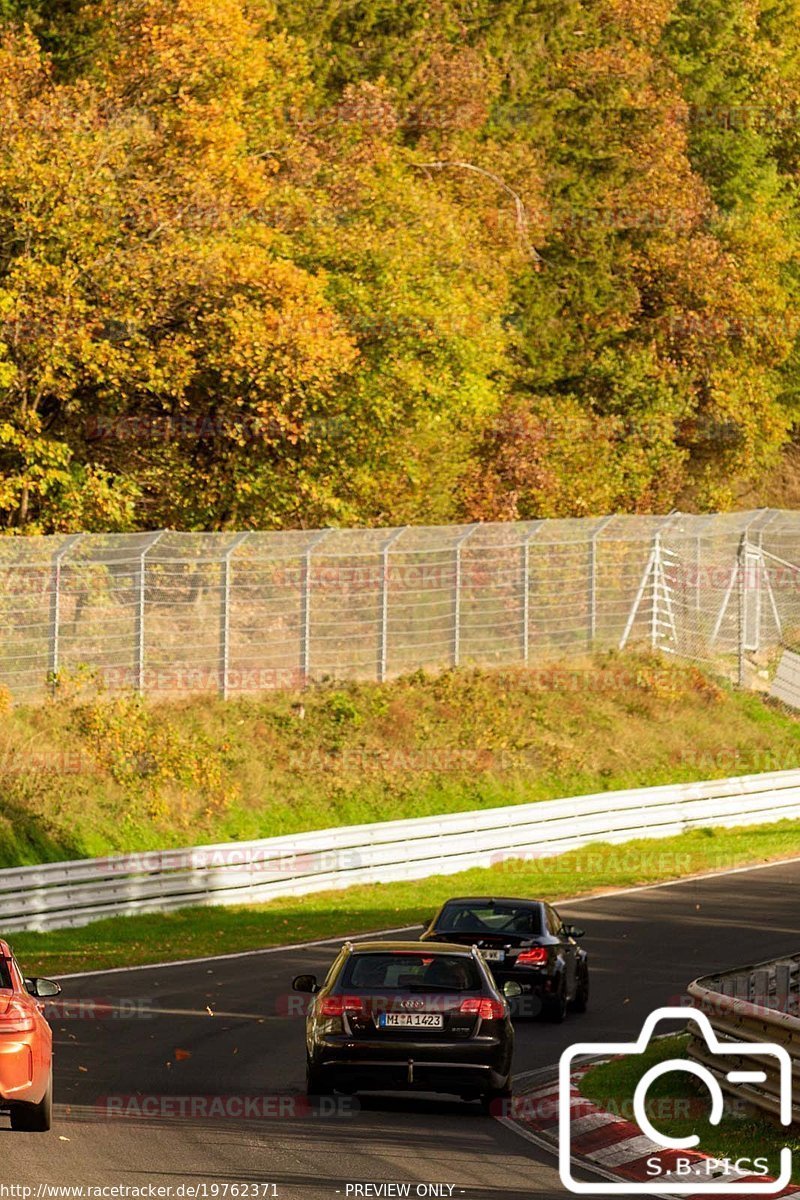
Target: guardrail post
column 54, row 652
column 457, row 595
column 783, row 986
column 761, row 993
column 383, row 648
column 141, row 602
column 305, row 608
column 225, row 614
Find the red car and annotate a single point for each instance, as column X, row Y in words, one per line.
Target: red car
column 26, row 1046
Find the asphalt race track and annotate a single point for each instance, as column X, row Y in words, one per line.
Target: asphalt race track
column 162, row 1048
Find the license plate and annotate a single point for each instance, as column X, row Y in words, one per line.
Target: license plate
column 494, row 955
column 411, row 1021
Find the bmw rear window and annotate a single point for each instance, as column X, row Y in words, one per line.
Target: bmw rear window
column 398, row 971
column 482, row 918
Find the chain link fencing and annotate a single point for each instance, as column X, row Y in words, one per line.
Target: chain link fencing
column 171, row 613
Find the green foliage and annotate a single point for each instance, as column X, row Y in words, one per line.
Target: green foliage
column 393, row 262
column 83, row 775
column 146, row 757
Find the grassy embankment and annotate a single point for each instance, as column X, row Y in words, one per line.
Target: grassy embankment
column 85, row 777
column 80, row 778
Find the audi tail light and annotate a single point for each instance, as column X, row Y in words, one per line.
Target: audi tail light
column 535, row 957
column 484, row 1007
column 16, row 1019
column 337, row 1006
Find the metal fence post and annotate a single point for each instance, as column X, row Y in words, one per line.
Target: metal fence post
column 653, row 570
column 701, row 524
column 526, row 592
column 457, row 595
column 773, row 514
column 660, row 577
column 383, row 649
column 225, row 614
column 765, row 570
column 526, row 601
column 740, row 590
column 655, row 584
column 593, row 578
column 54, row 654
column 141, row 601
column 305, row 607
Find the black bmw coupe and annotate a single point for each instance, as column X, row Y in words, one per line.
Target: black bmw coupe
column 524, row 942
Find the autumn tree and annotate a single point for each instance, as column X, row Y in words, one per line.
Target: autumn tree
column 297, row 265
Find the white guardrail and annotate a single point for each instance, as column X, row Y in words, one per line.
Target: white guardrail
column 56, row 895
column 754, row 1004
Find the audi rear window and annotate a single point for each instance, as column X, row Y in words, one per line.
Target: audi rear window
column 484, row 918
column 416, row 972
column 5, row 974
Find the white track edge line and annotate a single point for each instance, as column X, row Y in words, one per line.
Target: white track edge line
column 188, row 962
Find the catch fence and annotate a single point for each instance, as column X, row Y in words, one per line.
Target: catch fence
column 169, row 613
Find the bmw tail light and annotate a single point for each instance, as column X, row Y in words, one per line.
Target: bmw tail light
column 535, row 957
column 16, row 1019
column 336, row 1006
column 485, row 1008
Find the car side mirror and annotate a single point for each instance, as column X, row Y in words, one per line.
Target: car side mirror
column 572, row 931
column 511, row 989
column 305, row 983
column 42, row 989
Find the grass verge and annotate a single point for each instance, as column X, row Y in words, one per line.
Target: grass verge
column 196, row 932
column 678, row 1105
column 84, row 776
